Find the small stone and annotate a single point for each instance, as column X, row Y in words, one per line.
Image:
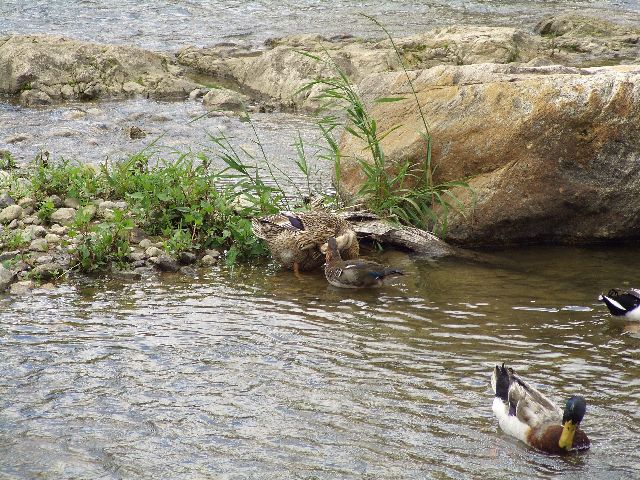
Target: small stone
column 39, row 245
column 64, row 132
column 47, row 271
column 145, row 243
column 9, row 255
column 34, row 231
column 10, row 213
column 20, row 266
column 6, row 277
column 26, row 202
column 34, row 97
column 166, row 263
column 224, row 99
column 208, row 261
column 94, row 111
column 52, row 238
column 6, row 200
column 13, row 224
column 47, row 286
column 120, row 205
column 138, row 263
column 136, row 133
column 212, row 252
column 56, row 200
column 29, row 220
column 64, row 215
column 188, row 271
column 107, row 204
column 187, row 258
column 58, row 229
column 71, row 203
column 44, row 259
column 137, row 256
column 22, row 287
column 153, row 252
column 137, row 235
column 28, row 211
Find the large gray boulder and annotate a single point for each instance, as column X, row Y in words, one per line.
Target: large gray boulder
column 552, row 153
column 41, row 68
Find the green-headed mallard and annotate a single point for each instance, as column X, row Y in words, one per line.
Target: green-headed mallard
column 625, row 304
column 354, row 273
column 525, row 413
column 298, row 240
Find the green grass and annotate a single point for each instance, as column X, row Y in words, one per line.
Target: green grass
column 404, row 191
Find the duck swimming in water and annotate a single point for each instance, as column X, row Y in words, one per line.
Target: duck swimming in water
column 525, row 413
column 625, row 304
column 354, row 273
column 295, row 239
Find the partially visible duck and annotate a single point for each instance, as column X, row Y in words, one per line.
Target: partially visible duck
column 295, row 239
column 625, row 304
column 354, row 273
column 525, row 413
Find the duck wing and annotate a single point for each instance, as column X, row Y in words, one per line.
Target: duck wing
column 529, row 405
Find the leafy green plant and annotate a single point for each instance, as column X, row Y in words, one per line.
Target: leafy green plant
column 45, row 210
column 405, row 191
column 104, row 243
column 7, row 162
column 14, row 240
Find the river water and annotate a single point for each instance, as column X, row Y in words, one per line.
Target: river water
column 249, row 373
column 170, row 24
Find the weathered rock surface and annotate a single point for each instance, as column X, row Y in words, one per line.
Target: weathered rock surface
column 552, row 153
column 280, row 71
column 42, row 68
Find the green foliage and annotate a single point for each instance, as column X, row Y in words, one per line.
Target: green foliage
column 45, row 210
column 7, row 162
column 406, row 191
column 13, row 240
column 65, row 178
column 104, row 243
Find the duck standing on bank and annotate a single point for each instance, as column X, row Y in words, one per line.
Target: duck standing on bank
column 623, row 304
column 525, row 413
column 354, row 273
column 295, row 239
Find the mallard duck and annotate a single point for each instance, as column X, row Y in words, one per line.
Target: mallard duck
column 623, row 304
column 354, row 273
column 525, row 413
column 295, row 240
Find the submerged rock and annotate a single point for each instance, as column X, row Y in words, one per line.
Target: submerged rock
column 550, row 152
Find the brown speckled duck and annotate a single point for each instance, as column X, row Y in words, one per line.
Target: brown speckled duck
column 297, row 240
column 525, row 413
column 354, row 273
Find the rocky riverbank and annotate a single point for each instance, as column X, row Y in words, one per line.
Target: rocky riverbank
column 543, row 125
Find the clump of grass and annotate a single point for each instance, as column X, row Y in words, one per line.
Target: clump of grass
column 405, row 191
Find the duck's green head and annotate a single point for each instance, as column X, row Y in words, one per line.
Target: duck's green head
column 574, row 412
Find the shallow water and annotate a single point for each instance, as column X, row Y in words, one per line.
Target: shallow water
column 170, row 24
column 253, row 374
column 99, row 132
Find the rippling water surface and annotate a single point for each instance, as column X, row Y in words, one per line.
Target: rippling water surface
column 251, row 373
column 169, row 24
